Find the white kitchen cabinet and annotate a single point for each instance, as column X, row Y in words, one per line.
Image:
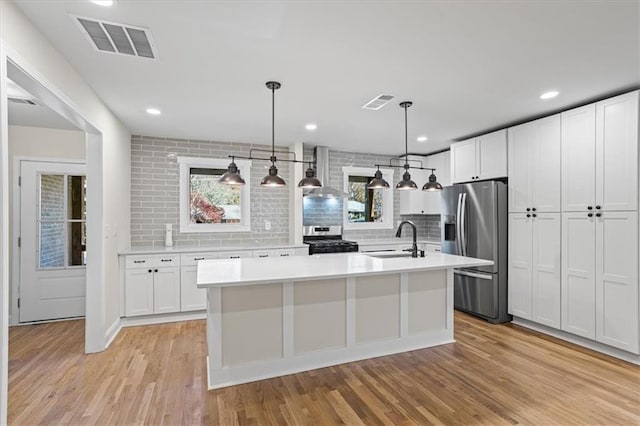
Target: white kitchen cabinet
column 152, row 284
column 535, row 267
column 192, row 298
column 139, row 292
column 276, row 253
column 600, row 277
column 600, row 155
column 480, row 158
column 616, row 280
column 534, row 166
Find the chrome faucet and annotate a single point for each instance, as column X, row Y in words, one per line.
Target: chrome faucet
column 414, row 247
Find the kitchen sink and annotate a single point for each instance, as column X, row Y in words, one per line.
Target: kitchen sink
column 388, row 254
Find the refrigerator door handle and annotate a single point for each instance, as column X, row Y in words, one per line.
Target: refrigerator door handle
column 458, row 228
column 473, row 274
column 463, row 224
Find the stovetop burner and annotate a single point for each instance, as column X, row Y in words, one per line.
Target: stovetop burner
column 327, row 239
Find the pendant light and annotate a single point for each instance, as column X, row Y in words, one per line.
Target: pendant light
column 310, row 180
column 433, row 184
column 272, row 179
column 406, row 183
column 232, row 175
column 377, row 182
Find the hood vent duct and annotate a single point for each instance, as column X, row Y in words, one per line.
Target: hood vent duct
column 321, row 159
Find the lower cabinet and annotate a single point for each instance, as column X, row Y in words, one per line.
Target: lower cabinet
column 600, row 277
column 535, row 267
column 192, row 298
column 153, row 290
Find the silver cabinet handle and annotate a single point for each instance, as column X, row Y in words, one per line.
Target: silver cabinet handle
column 473, row 274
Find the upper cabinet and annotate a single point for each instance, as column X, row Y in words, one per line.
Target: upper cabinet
column 480, row 158
column 424, row 202
column 600, row 155
column 534, row 166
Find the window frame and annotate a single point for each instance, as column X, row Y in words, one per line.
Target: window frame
column 186, row 163
column 387, row 199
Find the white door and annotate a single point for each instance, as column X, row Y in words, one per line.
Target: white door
column 578, row 274
column 463, row 161
column 546, row 271
column 579, row 158
column 521, row 141
column 617, row 153
column 492, row 155
column 546, row 161
column 617, row 280
column 52, row 240
column 520, row 245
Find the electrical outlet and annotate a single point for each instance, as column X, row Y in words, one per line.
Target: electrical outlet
column 267, row 225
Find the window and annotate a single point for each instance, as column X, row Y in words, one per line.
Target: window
column 209, row 206
column 367, row 208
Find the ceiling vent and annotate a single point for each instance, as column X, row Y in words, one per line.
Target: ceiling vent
column 22, row 101
column 111, row 37
column 377, row 102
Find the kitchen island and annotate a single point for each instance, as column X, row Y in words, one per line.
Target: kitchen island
column 276, row 316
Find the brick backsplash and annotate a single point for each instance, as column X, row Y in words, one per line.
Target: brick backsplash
column 318, row 211
column 155, row 194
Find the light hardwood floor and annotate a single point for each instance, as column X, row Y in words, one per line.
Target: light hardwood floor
column 494, row 374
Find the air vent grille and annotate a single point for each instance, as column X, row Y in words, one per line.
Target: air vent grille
column 22, row 101
column 377, row 102
column 117, row 38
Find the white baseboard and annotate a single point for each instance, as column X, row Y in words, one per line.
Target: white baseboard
column 580, row 341
column 260, row 370
column 112, row 332
column 163, row 318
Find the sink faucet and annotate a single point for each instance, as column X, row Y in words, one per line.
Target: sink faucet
column 414, row 247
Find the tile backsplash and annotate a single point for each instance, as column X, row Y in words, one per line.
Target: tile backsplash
column 155, row 194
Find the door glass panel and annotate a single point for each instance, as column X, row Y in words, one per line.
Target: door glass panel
column 52, row 243
column 76, row 197
column 77, row 243
column 51, row 197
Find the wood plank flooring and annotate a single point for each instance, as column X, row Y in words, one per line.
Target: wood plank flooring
column 494, row 374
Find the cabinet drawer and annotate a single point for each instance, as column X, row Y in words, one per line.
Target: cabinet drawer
column 432, row 248
column 141, row 261
column 264, row 253
column 191, row 259
column 285, row 253
column 166, row 260
column 234, row 254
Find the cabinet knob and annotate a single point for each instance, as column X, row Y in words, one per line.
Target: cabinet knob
column 155, row 270
column 535, row 215
column 598, row 214
column 150, row 270
column 533, row 209
column 589, row 207
column 528, row 209
column 590, row 215
column 528, row 215
column 598, row 207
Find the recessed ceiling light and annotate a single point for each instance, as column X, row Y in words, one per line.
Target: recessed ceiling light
column 311, row 126
column 422, row 138
column 105, row 3
column 549, row 95
column 154, row 111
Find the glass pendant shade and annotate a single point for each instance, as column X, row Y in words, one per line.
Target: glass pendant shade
column 406, row 183
column 377, row 182
column 433, row 184
column 310, row 180
column 272, row 179
column 232, row 175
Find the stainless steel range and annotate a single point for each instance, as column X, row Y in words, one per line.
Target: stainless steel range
column 327, row 239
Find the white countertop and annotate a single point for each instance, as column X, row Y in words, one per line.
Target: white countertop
column 231, row 272
column 195, row 249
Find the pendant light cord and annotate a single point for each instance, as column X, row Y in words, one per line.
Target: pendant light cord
column 406, row 143
column 273, row 124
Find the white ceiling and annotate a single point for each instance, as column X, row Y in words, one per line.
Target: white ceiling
column 20, row 114
column 468, row 66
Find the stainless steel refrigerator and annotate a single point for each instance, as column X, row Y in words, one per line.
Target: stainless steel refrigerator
column 474, row 224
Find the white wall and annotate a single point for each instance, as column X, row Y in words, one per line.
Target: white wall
column 26, row 46
column 41, row 143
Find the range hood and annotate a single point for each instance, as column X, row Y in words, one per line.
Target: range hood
column 321, row 157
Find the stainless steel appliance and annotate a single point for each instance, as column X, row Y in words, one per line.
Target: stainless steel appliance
column 474, row 224
column 327, row 239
